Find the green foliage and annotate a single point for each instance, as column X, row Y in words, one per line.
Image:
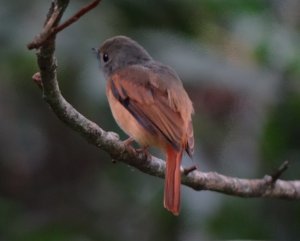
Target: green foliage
column 281, row 137
column 234, row 221
column 262, row 53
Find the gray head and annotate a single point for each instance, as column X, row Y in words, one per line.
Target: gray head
column 120, row 51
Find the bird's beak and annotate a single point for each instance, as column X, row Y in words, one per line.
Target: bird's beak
column 96, row 52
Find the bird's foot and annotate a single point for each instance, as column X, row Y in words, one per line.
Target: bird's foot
column 145, row 151
column 127, row 143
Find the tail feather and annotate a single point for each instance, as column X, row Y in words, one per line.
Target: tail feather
column 172, row 180
column 190, row 140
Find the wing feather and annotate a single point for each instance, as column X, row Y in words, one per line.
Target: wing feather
column 155, row 107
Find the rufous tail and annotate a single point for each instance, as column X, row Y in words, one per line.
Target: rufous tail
column 172, row 180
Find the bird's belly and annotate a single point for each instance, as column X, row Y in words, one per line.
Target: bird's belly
column 130, row 125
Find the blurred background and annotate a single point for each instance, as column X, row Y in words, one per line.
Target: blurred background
column 240, row 63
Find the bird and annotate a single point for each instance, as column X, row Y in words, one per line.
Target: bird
column 149, row 103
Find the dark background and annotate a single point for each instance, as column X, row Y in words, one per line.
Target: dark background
column 240, row 63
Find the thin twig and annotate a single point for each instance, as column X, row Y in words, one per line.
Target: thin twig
column 50, row 12
column 51, row 30
column 283, row 167
column 76, row 16
column 188, row 170
column 52, row 19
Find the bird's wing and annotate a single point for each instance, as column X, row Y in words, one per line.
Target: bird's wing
column 161, row 109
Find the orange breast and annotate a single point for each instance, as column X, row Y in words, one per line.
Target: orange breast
column 130, row 125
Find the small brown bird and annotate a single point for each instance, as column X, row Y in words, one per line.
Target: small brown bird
column 149, row 103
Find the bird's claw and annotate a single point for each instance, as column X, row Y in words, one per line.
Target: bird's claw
column 139, row 151
column 144, row 151
column 127, row 143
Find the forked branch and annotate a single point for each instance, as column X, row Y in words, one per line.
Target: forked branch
column 51, row 28
column 269, row 186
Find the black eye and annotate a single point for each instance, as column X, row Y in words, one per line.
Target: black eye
column 105, row 57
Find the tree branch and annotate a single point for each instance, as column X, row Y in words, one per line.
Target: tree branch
column 51, row 28
column 269, row 186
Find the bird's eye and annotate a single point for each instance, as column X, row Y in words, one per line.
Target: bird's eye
column 105, row 57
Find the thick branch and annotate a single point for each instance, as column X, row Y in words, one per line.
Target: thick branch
column 266, row 187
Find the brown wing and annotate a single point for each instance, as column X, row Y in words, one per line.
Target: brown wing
column 157, row 106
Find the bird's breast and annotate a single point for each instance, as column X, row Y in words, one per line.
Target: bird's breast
column 130, row 125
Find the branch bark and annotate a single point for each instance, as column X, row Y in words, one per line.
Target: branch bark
column 269, row 186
